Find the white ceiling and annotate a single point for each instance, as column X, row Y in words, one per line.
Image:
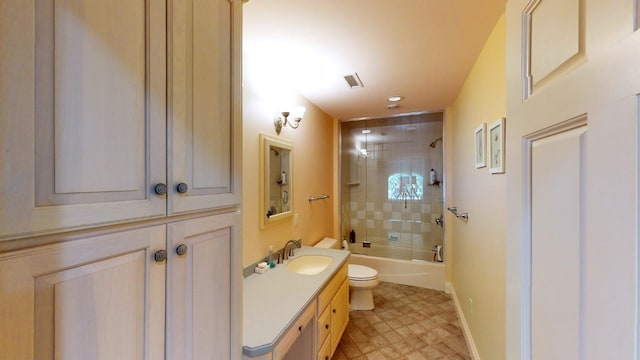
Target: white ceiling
column 419, row 49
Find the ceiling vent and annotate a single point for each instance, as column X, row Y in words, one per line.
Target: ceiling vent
column 353, row 81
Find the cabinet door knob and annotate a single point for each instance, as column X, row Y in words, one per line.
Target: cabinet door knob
column 182, row 188
column 160, row 255
column 181, row 249
column 300, row 328
column 334, row 310
column 326, row 326
column 160, row 189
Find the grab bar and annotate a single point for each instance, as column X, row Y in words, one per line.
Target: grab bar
column 314, row 198
column 454, row 211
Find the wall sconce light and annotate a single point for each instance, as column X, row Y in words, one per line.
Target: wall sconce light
column 291, row 118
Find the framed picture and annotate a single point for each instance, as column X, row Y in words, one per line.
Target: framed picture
column 496, row 147
column 480, row 135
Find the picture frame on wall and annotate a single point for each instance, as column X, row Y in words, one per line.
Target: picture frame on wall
column 480, row 136
column 496, row 135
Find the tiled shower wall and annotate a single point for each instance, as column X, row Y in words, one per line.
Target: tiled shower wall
column 403, row 228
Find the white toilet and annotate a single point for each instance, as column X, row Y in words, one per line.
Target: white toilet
column 362, row 280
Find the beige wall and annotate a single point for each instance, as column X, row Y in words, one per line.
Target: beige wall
column 315, row 147
column 477, row 248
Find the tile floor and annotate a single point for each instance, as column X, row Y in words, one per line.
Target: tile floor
column 408, row 323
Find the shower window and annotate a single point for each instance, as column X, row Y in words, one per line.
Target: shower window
column 405, row 187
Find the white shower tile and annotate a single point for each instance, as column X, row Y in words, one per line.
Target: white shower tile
column 370, row 206
column 396, row 215
column 377, row 215
column 371, row 224
column 354, row 205
column 361, row 214
column 387, row 207
column 426, row 208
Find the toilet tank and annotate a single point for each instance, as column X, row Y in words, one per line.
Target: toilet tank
column 327, row 243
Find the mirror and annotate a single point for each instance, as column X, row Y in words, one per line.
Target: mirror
column 276, row 172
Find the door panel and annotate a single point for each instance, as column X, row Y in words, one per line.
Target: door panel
column 205, row 104
column 556, row 220
column 200, row 294
column 575, row 250
column 97, row 298
column 83, row 125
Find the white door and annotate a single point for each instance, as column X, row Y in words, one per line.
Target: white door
column 203, row 287
column 82, row 113
column 573, row 81
column 205, row 108
column 98, row 298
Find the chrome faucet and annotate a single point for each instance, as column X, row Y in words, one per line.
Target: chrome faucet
column 288, row 250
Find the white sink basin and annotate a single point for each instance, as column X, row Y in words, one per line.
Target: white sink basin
column 309, row 264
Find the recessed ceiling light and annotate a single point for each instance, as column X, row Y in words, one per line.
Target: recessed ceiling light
column 394, row 98
column 392, row 106
column 366, row 131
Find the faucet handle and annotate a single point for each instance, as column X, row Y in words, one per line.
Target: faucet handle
column 278, row 254
column 298, row 243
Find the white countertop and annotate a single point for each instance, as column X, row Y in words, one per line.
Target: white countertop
column 273, row 300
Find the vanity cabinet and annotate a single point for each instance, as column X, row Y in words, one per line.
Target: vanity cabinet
column 117, row 110
column 107, row 297
column 333, row 314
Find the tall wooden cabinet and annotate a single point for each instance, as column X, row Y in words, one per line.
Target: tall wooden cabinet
column 117, row 110
column 120, row 149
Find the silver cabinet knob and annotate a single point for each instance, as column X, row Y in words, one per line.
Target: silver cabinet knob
column 160, row 189
column 182, row 188
column 160, row 255
column 181, row 249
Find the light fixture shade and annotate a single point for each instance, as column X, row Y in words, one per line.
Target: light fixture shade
column 297, row 112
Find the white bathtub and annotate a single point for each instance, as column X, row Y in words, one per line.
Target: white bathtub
column 424, row 274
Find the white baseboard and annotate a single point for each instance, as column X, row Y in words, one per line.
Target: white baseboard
column 473, row 351
column 448, row 287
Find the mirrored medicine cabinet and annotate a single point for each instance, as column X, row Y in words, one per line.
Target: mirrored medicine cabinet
column 276, row 185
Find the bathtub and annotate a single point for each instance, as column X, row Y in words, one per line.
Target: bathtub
column 425, row 274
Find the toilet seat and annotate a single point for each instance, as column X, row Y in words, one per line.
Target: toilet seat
column 361, row 273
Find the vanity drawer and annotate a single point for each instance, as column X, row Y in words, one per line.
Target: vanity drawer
column 324, row 325
column 324, row 299
column 325, row 351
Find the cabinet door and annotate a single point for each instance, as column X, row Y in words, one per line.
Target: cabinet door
column 82, row 127
column 203, row 289
column 96, row 298
column 205, row 108
column 339, row 314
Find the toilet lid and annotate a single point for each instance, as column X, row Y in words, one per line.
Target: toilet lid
column 360, row 272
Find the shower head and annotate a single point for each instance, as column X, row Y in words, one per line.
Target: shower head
column 433, row 144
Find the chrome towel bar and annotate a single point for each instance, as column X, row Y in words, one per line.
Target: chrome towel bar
column 314, row 198
column 454, row 211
